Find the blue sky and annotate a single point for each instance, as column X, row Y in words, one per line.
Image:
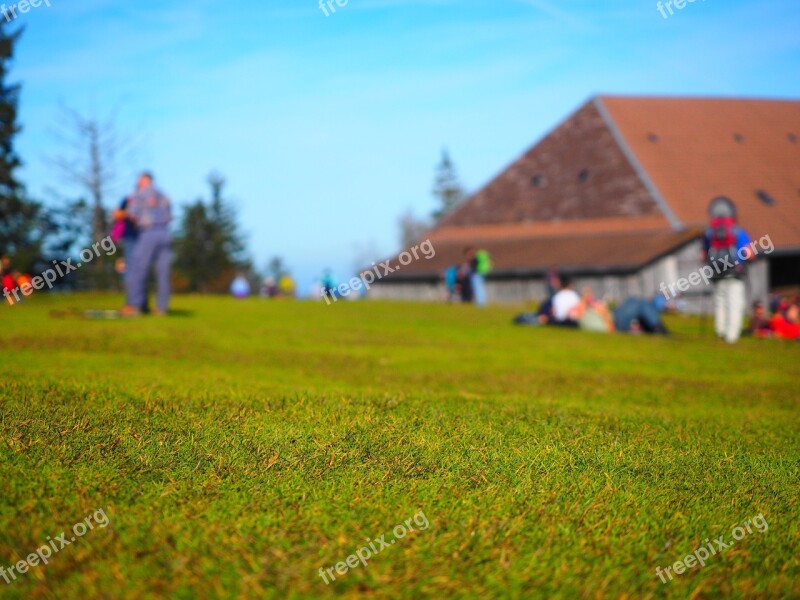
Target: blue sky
column 328, row 128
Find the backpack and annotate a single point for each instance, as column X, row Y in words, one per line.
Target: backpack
column 723, row 234
column 484, row 262
column 118, row 230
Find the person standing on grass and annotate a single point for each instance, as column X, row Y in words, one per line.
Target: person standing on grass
column 481, row 265
column 151, row 212
column 125, row 231
column 727, row 249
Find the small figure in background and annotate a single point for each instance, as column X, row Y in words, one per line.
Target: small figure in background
column 240, row 287
column 328, row 284
column 759, row 321
column 451, row 284
column 9, row 282
column 269, row 289
column 286, row 286
column 480, row 266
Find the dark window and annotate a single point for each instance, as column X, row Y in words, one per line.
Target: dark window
column 739, row 138
column 652, row 138
column 583, row 175
column 784, row 271
column 539, row 181
column 792, row 138
column 765, row 197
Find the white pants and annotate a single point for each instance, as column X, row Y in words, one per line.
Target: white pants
column 729, row 306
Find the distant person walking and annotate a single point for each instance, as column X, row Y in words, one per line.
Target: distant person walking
column 150, row 211
column 480, row 265
column 727, row 250
column 240, row 287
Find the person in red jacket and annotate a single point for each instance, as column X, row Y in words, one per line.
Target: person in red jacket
column 786, row 322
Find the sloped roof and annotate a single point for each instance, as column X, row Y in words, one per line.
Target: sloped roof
column 576, row 172
column 693, row 149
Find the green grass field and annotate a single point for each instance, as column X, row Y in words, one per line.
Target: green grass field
column 239, row 447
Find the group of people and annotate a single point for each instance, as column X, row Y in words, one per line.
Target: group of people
column 466, row 282
column 284, row 287
column 725, row 243
column 11, row 279
column 566, row 308
column 783, row 323
column 141, row 223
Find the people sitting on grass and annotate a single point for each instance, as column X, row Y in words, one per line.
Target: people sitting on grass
column 567, row 309
column 634, row 315
column 785, row 324
column 638, row 314
column 594, row 314
column 759, row 322
column 553, row 285
column 588, row 313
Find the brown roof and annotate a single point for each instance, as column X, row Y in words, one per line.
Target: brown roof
column 576, row 172
column 606, row 252
column 549, row 228
column 693, row 149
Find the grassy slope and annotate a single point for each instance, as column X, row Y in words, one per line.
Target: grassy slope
column 242, row 446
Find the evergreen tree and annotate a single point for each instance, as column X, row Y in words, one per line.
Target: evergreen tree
column 276, row 268
column 446, row 187
column 209, row 249
column 192, row 247
column 227, row 249
column 21, row 219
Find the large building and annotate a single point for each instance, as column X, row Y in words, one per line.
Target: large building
column 617, row 195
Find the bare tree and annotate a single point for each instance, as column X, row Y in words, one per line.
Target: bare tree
column 412, row 228
column 91, row 148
